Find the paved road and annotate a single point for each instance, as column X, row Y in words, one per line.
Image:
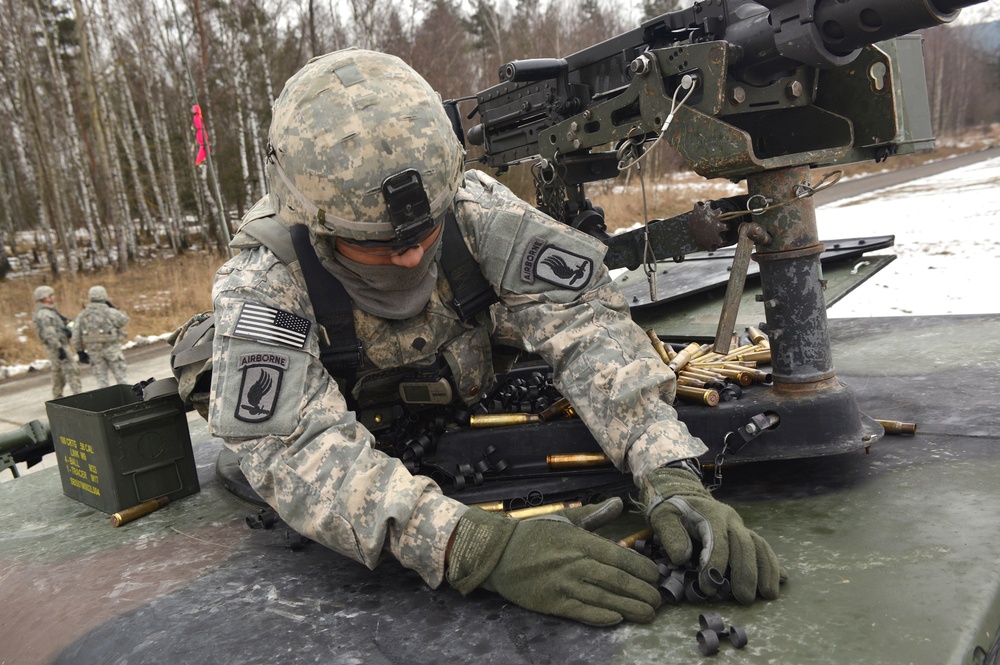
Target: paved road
column 858, row 186
column 23, row 398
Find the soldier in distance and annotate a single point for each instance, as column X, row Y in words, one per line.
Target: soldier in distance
column 357, row 143
column 54, row 330
column 98, row 332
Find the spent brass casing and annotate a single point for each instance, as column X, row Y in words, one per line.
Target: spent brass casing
column 485, row 420
column 629, row 541
column 757, row 337
column 560, row 409
column 740, row 376
column 898, row 427
column 684, row 356
column 727, row 364
column 739, row 350
column 706, row 359
column 704, row 374
column 135, row 512
column 761, row 356
column 547, row 509
column 489, row 506
column 689, row 381
column 577, row 460
column 703, row 350
column 658, row 345
column 706, row 397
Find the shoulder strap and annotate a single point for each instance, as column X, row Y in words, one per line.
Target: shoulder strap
column 273, row 235
column 333, row 309
column 472, row 292
column 331, row 304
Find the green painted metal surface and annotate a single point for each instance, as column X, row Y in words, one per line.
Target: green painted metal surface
column 892, row 555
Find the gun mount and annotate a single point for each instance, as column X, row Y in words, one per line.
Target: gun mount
column 761, row 91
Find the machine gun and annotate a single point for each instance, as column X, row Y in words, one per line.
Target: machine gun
column 28, row 443
column 741, row 89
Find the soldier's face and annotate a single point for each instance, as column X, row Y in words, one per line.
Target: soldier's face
column 378, row 256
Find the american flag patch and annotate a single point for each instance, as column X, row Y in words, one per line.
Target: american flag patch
column 266, row 324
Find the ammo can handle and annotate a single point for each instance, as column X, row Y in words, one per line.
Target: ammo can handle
column 143, row 418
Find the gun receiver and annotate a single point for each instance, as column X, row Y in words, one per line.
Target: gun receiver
column 758, row 90
column 771, row 89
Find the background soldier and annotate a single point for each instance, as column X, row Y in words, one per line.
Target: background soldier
column 54, row 330
column 99, row 331
column 363, row 155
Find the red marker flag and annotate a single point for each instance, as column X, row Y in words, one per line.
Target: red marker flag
column 199, row 135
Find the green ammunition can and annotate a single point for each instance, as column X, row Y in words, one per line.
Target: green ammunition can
column 116, row 451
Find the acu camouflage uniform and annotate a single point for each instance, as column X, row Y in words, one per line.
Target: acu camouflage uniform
column 100, row 330
column 52, row 328
column 305, row 452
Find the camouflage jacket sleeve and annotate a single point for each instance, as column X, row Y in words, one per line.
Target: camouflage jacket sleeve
column 300, row 446
column 559, row 302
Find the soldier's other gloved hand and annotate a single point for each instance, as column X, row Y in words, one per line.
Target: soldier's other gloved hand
column 62, row 353
column 590, row 517
column 552, row 567
column 689, row 511
column 83, row 357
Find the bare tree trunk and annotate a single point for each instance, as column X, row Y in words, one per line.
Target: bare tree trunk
column 104, row 180
column 165, row 159
column 313, row 44
column 78, row 172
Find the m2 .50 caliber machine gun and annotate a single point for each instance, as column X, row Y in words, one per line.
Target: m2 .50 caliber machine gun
column 761, row 91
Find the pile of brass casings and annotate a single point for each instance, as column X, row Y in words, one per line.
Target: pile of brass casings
column 702, row 373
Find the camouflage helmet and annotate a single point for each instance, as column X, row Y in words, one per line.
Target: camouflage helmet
column 43, row 292
column 97, row 294
column 343, row 125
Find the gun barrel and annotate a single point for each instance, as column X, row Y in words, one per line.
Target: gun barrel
column 847, row 26
column 37, row 431
column 536, row 69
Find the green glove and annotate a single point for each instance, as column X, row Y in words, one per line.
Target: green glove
column 590, row 517
column 680, row 508
column 552, row 567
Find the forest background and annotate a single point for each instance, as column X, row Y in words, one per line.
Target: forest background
column 98, row 181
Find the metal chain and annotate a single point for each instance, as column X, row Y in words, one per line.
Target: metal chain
column 720, row 459
column 801, row 191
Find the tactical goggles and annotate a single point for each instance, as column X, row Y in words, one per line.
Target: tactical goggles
column 390, row 247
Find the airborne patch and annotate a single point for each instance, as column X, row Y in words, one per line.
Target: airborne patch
column 262, row 374
column 556, row 266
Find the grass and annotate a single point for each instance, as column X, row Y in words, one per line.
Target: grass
column 158, row 296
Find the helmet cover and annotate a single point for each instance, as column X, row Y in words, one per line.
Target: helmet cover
column 342, row 126
column 97, row 294
column 43, row 292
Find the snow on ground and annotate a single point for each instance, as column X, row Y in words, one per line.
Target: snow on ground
column 947, row 230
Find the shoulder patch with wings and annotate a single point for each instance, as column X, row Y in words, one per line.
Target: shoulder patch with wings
column 557, row 266
column 262, row 374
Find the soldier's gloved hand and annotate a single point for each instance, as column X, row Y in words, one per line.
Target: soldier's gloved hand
column 681, row 509
column 590, row 517
column 62, row 353
column 552, row 567
column 83, row 357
